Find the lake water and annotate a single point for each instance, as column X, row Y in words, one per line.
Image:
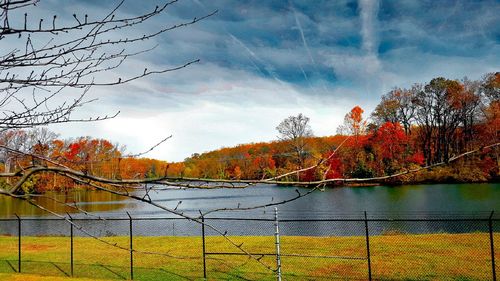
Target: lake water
column 410, row 201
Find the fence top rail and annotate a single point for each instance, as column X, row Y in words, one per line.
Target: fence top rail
column 401, row 219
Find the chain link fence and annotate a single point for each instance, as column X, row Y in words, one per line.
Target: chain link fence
column 355, row 248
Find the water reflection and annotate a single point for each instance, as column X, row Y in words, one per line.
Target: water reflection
column 183, row 227
column 88, row 200
column 412, row 200
column 475, row 191
column 415, row 201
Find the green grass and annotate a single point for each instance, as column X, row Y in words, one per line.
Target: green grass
column 393, row 257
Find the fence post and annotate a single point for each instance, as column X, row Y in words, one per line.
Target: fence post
column 18, row 244
column 71, row 242
column 131, row 248
column 368, row 257
column 277, row 242
column 204, row 250
column 490, row 224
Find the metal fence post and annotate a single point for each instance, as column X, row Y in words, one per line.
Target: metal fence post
column 277, row 242
column 131, row 248
column 492, row 246
column 71, row 242
column 368, row 257
column 204, row 250
column 18, row 243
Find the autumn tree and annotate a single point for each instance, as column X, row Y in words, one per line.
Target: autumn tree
column 467, row 103
column 490, row 108
column 443, row 108
column 354, row 124
column 16, row 143
column 93, row 156
column 387, row 109
column 398, row 106
column 490, row 87
column 390, row 144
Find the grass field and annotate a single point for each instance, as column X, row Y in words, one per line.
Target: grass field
column 393, row 257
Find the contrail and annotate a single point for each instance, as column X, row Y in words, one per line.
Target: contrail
column 306, row 46
column 255, row 57
column 301, row 30
column 252, row 54
column 305, row 75
column 299, row 26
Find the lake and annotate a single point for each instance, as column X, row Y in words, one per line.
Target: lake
column 409, row 201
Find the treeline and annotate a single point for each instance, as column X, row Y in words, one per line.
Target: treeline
column 97, row 157
column 422, row 125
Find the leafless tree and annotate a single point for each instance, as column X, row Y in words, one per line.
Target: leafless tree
column 295, row 130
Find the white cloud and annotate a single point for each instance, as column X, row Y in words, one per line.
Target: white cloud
column 368, row 13
column 246, row 109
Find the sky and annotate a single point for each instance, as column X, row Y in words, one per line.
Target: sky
column 262, row 61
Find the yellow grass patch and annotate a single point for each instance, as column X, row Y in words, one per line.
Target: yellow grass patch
column 393, row 257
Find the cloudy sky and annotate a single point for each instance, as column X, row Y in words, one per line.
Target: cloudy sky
column 262, row 61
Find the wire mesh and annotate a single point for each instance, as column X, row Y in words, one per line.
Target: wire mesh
column 495, row 260
column 437, row 250
column 48, row 253
column 440, row 248
column 101, row 248
column 167, row 249
column 323, row 249
column 9, row 242
column 240, row 248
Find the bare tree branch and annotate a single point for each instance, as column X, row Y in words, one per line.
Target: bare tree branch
column 88, row 48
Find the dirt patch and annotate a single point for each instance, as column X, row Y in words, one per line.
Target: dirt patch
column 37, row 248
